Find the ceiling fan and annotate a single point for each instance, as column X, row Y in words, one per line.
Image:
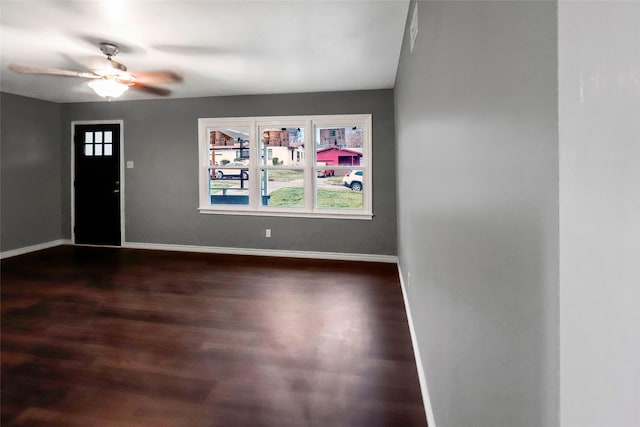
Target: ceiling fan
column 109, row 78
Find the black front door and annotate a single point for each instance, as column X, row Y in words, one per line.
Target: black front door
column 97, row 184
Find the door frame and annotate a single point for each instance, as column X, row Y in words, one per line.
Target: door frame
column 74, row 123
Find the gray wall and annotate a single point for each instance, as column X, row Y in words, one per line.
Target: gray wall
column 30, row 178
column 477, row 147
column 162, row 190
column 599, row 82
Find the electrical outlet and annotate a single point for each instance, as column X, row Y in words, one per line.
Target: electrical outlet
column 267, row 232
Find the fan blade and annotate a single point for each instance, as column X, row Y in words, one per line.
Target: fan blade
column 76, row 62
column 157, row 77
column 154, row 90
column 23, row 69
column 97, row 65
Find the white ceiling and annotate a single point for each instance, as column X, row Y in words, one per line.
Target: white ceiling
column 219, row 47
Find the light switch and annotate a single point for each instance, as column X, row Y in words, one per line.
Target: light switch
column 129, row 164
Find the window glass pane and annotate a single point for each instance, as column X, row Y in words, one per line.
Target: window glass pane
column 98, row 137
column 88, row 137
column 233, row 170
column 98, row 149
column 107, row 137
column 282, row 146
column 339, row 146
column 88, row 149
column 227, row 146
column 337, row 189
column 282, row 188
column 227, row 191
column 108, row 149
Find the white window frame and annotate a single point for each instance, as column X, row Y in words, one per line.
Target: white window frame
column 309, row 123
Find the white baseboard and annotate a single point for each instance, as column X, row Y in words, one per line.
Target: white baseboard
column 33, row 248
column 264, row 252
column 217, row 250
column 416, row 351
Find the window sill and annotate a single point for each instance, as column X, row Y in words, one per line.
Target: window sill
column 301, row 214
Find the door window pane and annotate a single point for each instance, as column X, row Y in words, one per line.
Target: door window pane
column 282, row 187
column 107, row 137
column 282, row 146
column 108, row 150
column 98, row 137
column 88, row 149
column 98, row 149
column 88, row 137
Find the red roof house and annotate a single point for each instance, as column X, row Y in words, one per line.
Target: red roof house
column 337, row 156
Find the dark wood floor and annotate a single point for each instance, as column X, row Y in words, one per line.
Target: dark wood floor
column 98, row 336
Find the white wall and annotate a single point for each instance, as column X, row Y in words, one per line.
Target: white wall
column 599, row 110
column 477, row 148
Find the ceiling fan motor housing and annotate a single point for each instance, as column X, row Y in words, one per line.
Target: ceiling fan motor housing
column 109, row 49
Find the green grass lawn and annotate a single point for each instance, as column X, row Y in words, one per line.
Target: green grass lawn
column 285, row 175
column 294, row 197
column 287, row 197
column 339, row 199
column 217, row 186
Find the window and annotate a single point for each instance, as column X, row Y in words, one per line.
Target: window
column 98, row 143
column 307, row 166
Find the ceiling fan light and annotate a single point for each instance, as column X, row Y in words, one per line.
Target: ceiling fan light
column 108, row 88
